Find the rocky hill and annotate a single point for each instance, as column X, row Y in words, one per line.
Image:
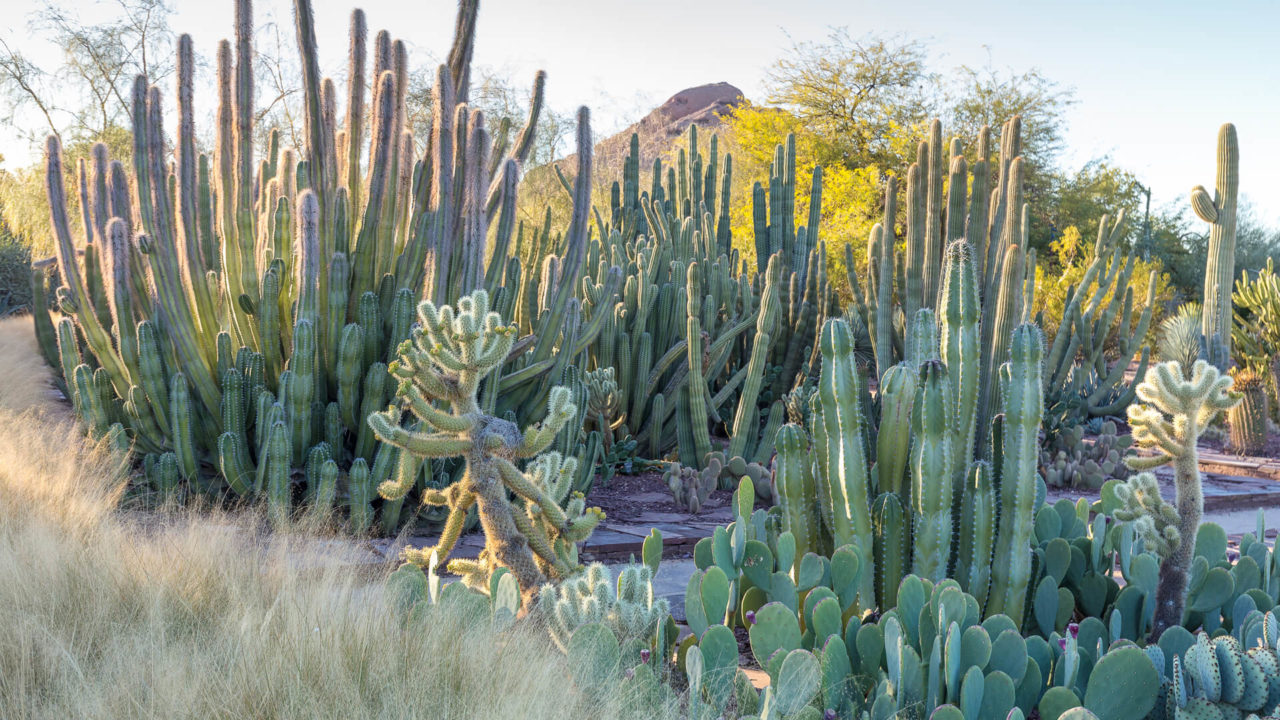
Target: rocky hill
column 701, row 106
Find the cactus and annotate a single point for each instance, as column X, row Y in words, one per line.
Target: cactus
column 931, row 473
column 690, row 488
column 444, row 362
column 1023, row 408
column 1248, row 420
column 1174, row 413
column 797, row 491
column 844, row 489
column 627, row 606
column 1080, row 383
column 302, row 264
column 1219, row 210
column 755, row 330
column 1069, row 461
column 1256, row 332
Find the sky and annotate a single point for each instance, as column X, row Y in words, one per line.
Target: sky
column 1153, row 80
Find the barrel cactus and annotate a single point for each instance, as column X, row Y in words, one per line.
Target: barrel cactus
column 1248, row 420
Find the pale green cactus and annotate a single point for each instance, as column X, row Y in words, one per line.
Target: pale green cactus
column 1219, row 210
column 1175, row 411
column 443, row 363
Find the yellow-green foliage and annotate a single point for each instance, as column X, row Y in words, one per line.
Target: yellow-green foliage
column 1055, row 276
column 852, row 199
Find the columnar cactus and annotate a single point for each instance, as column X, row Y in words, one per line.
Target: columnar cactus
column 1175, row 411
column 1080, row 383
column 931, row 473
column 797, row 489
column 299, row 269
column 1023, row 409
column 1219, row 210
column 844, row 488
column 444, row 362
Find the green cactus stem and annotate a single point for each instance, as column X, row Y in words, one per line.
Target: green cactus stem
column 1219, row 210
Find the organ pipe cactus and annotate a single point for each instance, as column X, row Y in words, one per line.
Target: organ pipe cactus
column 757, row 329
column 1175, row 411
column 443, row 363
column 1256, row 332
column 1219, row 210
column 300, row 268
column 1023, row 409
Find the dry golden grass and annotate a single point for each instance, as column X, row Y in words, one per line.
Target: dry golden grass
column 24, row 377
column 104, row 615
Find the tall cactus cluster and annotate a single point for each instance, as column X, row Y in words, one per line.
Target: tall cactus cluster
column 234, row 312
column 909, row 492
column 1080, row 382
column 1256, row 332
column 1219, row 210
column 699, row 340
column 984, row 206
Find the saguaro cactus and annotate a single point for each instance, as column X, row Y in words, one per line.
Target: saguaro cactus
column 1220, row 212
column 1176, row 410
column 443, row 362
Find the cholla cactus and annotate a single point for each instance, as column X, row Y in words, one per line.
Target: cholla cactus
column 1154, row 520
column 630, row 610
column 1174, row 413
column 444, row 361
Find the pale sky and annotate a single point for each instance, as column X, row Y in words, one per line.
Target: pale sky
column 1153, row 79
